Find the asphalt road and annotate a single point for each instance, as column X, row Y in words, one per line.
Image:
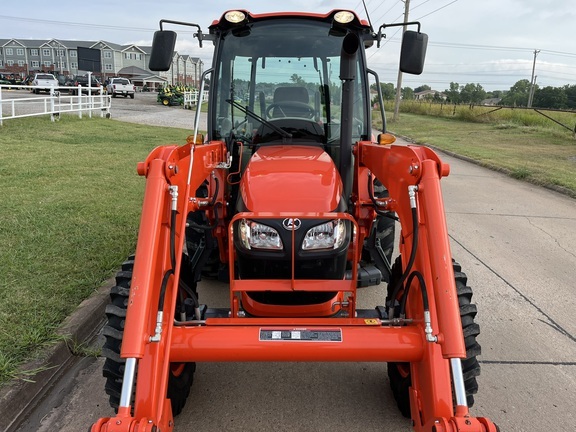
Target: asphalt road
column 516, row 242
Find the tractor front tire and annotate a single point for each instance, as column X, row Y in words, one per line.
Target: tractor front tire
column 181, row 375
column 399, row 373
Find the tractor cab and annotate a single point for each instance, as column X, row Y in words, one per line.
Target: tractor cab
column 277, row 81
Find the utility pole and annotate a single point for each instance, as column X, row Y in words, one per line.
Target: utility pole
column 532, row 80
column 399, row 82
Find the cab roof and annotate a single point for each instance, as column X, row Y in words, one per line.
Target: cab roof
column 223, row 24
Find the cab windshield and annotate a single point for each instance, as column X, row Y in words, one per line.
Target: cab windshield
column 279, row 81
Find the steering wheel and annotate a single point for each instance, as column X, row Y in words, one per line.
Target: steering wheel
column 303, row 109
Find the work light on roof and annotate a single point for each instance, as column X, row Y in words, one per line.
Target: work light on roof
column 343, row 17
column 235, row 17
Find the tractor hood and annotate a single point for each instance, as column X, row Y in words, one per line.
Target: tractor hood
column 291, row 178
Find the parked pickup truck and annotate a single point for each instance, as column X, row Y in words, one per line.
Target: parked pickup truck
column 82, row 80
column 121, row 86
column 44, row 82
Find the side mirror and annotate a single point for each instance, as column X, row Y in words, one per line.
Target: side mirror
column 162, row 50
column 413, row 52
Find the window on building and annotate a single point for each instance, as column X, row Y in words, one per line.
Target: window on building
column 60, row 53
column 9, row 51
column 34, row 52
column 73, row 65
column 107, row 54
column 35, row 64
column 20, row 63
column 108, row 67
column 139, row 56
column 10, row 63
column 1, row 63
column 46, row 52
column 47, row 64
column 73, row 53
column 20, row 51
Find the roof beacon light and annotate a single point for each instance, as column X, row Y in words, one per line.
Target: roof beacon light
column 235, row 17
column 343, row 17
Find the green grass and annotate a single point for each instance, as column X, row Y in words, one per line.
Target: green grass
column 70, row 213
column 492, row 114
column 541, row 155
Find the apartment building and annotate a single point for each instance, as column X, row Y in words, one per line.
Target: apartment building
column 26, row 56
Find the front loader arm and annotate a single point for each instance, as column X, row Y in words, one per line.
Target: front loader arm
column 186, row 168
column 399, row 167
column 412, row 174
column 173, row 175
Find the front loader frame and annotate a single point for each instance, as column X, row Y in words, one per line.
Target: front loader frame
column 431, row 341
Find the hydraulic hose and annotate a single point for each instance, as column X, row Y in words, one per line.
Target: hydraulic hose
column 400, row 283
column 425, row 303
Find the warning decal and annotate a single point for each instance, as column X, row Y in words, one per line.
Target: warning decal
column 302, row 335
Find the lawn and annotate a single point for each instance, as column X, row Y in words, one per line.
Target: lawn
column 71, row 202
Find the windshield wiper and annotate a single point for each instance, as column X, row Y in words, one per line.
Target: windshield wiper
column 255, row 116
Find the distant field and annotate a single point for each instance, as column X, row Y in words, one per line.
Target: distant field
column 562, row 121
column 541, row 155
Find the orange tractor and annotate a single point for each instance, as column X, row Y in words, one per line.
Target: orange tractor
column 293, row 201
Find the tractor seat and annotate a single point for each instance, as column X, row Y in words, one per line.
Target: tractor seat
column 290, row 102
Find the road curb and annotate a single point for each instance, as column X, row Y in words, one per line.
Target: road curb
column 18, row 399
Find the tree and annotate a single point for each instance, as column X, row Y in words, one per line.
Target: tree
column 496, row 94
column 518, row 94
column 297, row 79
column 570, row 91
column 388, row 91
column 407, row 93
column 453, row 94
column 422, row 88
column 550, row 97
column 472, row 93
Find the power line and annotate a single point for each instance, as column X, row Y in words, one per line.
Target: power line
column 75, row 24
column 434, row 11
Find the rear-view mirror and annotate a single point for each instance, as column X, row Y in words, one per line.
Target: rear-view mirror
column 162, row 50
column 413, row 52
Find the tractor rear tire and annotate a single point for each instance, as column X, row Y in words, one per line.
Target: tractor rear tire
column 399, row 373
column 181, row 374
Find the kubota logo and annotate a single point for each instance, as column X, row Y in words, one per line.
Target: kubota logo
column 291, row 224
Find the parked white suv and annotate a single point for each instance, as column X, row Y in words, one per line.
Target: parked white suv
column 44, row 82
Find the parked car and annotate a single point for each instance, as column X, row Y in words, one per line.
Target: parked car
column 44, row 82
column 82, row 80
column 4, row 80
column 120, row 86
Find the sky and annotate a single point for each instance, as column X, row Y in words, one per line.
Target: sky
column 486, row 42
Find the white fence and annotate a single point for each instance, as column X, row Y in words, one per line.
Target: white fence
column 191, row 98
column 18, row 102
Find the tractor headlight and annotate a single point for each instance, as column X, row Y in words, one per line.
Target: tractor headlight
column 258, row 236
column 329, row 235
column 235, row 16
column 344, row 17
